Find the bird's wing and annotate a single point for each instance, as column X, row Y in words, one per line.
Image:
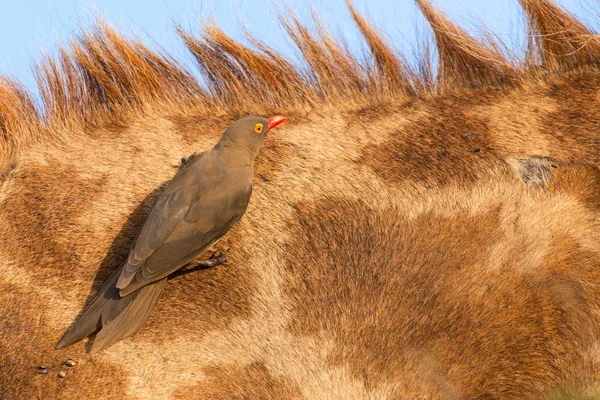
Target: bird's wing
column 185, row 220
column 165, row 216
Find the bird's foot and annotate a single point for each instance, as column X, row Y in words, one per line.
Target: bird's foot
column 216, row 258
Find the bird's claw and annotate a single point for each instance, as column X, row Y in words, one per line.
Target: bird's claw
column 216, row 258
column 219, row 255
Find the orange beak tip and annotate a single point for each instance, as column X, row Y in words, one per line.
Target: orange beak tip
column 275, row 120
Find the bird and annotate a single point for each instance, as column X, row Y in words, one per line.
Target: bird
column 204, row 200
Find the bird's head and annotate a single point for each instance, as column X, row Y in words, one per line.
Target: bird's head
column 250, row 132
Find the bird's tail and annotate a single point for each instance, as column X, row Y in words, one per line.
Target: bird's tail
column 118, row 317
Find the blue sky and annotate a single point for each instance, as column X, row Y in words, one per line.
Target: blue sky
column 30, row 27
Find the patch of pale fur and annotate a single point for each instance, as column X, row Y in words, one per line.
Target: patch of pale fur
column 532, row 220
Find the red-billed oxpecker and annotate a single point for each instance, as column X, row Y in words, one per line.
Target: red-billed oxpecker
column 200, row 204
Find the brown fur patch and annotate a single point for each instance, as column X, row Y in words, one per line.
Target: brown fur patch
column 253, row 381
column 193, row 128
column 371, row 114
column 449, row 144
column 573, row 128
column 47, row 243
column 6, row 169
column 381, row 285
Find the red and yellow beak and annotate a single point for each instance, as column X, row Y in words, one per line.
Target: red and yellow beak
column 274, row 121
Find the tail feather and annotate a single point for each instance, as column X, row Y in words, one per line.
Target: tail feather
column 126, row 319
column 119, row 317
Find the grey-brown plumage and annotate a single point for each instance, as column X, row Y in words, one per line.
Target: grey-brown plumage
column 200, row 204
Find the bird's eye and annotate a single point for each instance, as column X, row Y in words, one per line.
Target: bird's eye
column 258, row 128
